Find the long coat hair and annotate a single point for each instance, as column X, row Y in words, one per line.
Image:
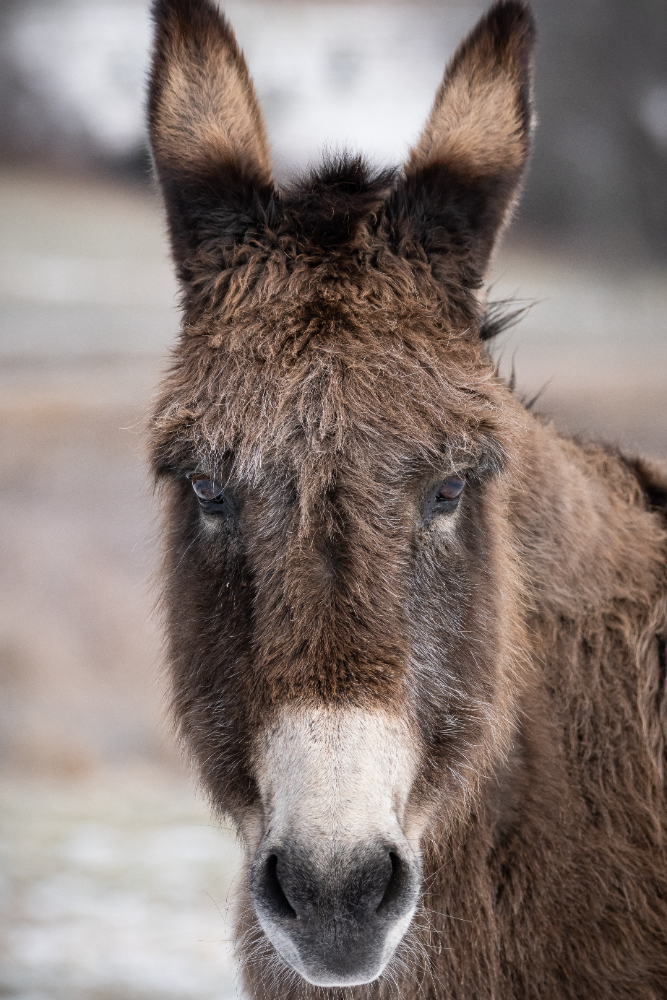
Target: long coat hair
column 416, row 636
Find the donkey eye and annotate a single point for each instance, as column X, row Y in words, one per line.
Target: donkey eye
column 450, row 489
column 444, row 498
column 207, row 489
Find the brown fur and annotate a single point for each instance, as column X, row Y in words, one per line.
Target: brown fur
column 330, row 373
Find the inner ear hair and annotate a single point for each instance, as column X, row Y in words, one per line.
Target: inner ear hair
column 202, row 105
column 481, row 119
column 467, row 166
column 207, row 132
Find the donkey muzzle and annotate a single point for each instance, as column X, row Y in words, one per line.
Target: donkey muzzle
column 335, row 916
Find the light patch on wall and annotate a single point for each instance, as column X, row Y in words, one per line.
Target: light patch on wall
column 653, row 112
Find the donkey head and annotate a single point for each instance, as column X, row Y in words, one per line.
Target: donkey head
column 336, row 453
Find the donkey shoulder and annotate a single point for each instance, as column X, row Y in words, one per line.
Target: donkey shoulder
column 651, row 476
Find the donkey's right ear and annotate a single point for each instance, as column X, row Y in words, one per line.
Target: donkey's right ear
column 207, row 133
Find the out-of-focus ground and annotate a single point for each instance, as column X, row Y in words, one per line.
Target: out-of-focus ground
column 114, row 887
column 115, row 880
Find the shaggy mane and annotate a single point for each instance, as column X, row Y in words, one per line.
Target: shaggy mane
column 331, row 201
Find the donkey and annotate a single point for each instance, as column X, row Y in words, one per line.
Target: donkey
column 417, row 637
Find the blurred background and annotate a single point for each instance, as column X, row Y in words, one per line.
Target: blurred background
column 114, row 883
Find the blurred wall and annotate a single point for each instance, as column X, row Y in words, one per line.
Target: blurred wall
column 599, row 171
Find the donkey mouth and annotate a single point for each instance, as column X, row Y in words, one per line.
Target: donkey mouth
column 336, row 920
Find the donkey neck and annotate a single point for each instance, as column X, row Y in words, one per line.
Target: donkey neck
column 585, row 537
column 596, row 590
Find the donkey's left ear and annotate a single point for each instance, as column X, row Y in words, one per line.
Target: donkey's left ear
column 463, row 176
column 206, row 128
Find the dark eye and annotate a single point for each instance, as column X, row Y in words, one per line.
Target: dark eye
column 450, row 489
column 207, row 489
column 444, row 498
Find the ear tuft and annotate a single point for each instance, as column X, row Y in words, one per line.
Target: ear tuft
column 330, row 205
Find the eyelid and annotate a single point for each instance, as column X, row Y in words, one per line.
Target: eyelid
column 210, row 490
column 452, row 484
column 214, row 497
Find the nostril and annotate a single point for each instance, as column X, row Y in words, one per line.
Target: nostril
column 394, row 892
column 273, row 891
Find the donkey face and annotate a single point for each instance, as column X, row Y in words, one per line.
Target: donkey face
column 338, row 573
